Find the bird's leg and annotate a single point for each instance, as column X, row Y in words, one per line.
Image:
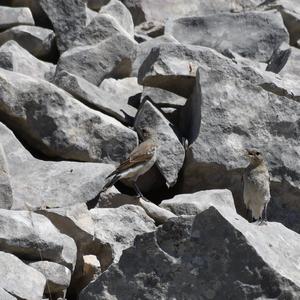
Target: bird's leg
column 139, row 193
column 263, row 218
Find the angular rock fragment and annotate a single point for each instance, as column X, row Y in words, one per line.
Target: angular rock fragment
column 171, row 153
column 38, row 183
column 265, row 32
column 97, row 62
column 59, row 125
column 33, row 237
column 15, row 58
column 14, row 16
column 193, row 204
column 216, row 253
column 19, row 280
column 40, row 42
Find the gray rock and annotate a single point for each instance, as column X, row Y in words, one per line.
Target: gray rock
column 6, row 195
column 19, row 280
column 33, row 237
column 39, row 41
column 15, row 58
column 193, row 204
column 118, row 227
column 144, row 50
column 97, row 62
column 111, row 98
column 13, row 16
column 265, row 32
column 58, row 277
column 38, row 183
column 216, row 253
column 68, row 19
column 59, row 125
column 171, row 153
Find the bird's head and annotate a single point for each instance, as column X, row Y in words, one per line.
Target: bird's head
column 148, row 133
column 254, row 156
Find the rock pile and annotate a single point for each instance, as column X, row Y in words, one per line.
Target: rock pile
column 79, row 79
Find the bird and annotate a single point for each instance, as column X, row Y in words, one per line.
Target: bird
column 256, row 181
column 140, row 160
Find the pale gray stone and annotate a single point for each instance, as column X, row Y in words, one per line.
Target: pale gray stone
column 6, row 296
column 39, row 41
column 13, row 16
column 193, row 204
column 216, row 253
column 59, row 125
column 37, row 183
column 19, row 280
column 171, row 153
column 15, row 58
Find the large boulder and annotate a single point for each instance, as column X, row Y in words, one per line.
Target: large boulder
column 39, row 183
column 15, row 58
column 265, row 32
column 39, row 41
column 33, row 237
column 59, row 125
column 19, row 280
column 97, row 62
column 216, row 253
column 13, row 16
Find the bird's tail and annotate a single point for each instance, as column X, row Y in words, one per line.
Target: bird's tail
column 110, row 182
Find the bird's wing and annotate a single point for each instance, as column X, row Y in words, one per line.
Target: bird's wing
column 142, row 153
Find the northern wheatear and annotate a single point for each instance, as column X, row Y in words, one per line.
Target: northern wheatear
column 256, row 180
column 140, row 160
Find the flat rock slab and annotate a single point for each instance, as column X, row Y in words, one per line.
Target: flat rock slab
column 39, row 41
column 216, row 253
column 171, row 153
column 13, row 16
column 97, row 62
column 60, row 126
column 193, row 204
column 38, row 183
column 33, row 237
column 19, row 280
column 265, row 32
column 15, row 58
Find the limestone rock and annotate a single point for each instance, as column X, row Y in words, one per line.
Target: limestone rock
column 33, row 237
column 13, row 16
column 193, row 204
column 15, row 58
column 218, row 249
column 38, row 183
column 19, row 280
column 171, row 153
column 59, row 125
column 265, row 32
column 40, row 42
column 84, row 61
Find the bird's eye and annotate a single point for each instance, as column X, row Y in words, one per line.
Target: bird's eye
column 257, row 153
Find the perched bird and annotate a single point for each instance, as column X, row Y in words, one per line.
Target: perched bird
column 256, row 182
column 140, row 160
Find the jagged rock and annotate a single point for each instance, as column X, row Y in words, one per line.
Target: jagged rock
column 171, row 153
column 216, row 253
column 144, row 10
column 15, row 58
column 265, row 32
column 33, row 237
column 68, row 18
column 193, row 204
column 13, row 16
column 58, row 277
column 39, row 41
column 38, row 183
column 150, row 28
column 111, row 98
column 59, row 125
column 6, row 296
column 144, row 50
column 19, row 280
column 6, row 196
column 119, row 226
column 115, row 61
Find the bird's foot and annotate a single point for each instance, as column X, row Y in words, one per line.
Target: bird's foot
column 143, row 197
column 262, row 222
